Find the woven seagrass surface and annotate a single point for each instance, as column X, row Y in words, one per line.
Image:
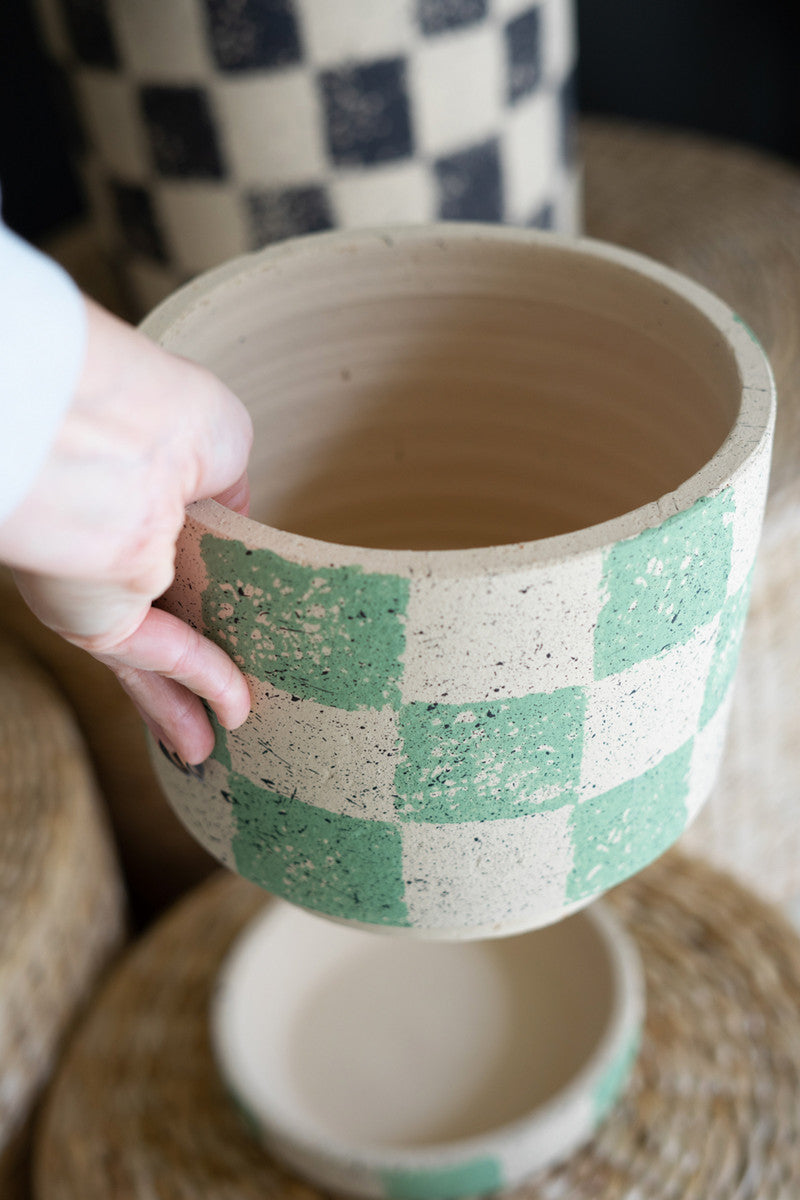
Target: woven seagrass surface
column 729, row 217
column 711, row 1112
column 61, row 901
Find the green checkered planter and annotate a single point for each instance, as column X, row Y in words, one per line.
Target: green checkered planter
column 466, row 742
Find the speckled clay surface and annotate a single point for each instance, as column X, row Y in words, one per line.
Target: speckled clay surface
column 459, row 1093
column 451, row 740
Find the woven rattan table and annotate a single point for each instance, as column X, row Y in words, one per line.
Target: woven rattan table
column 711, row 1113
column 61, row 903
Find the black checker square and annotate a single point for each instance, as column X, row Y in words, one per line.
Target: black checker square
column 439, row 16
column 367, row 117
column 90, row 32
column 543, row 218
column 181, row 132
column 279, row 213
column 247, row 35
column 523, row 37
column 470, row 184
column 137, row 220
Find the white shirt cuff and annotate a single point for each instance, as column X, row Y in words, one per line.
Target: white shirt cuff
column 43, row 330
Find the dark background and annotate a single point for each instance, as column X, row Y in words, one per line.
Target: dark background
column 709, row 65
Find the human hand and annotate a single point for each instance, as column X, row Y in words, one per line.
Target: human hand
column 93, row 543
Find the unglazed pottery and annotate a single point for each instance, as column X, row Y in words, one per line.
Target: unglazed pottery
column 212, row 127
column 409, row 1069
column 509, row 489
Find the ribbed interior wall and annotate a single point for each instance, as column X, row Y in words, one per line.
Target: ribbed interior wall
column 453, row 394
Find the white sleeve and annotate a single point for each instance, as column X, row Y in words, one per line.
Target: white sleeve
column 42, row 347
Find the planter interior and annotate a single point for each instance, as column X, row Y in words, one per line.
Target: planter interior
column 466, row 393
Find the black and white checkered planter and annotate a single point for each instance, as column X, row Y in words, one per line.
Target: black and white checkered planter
column 215, row 126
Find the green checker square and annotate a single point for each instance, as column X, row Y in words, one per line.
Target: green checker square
column 471, row 1178
column 339, row 865
column 488, row 761
column 611, row 1083
column 619, row 832
column 331, row 634
column 726, row 650
column 661, row 585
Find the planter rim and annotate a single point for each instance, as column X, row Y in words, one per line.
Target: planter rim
column 748, row 436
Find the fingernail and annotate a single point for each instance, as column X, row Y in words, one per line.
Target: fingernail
column 196, row 770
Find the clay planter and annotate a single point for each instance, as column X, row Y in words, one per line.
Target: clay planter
column 445, row 739
column 212, row 127
column 413, row 1070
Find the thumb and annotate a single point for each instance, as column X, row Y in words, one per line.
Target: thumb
column 237, row 496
